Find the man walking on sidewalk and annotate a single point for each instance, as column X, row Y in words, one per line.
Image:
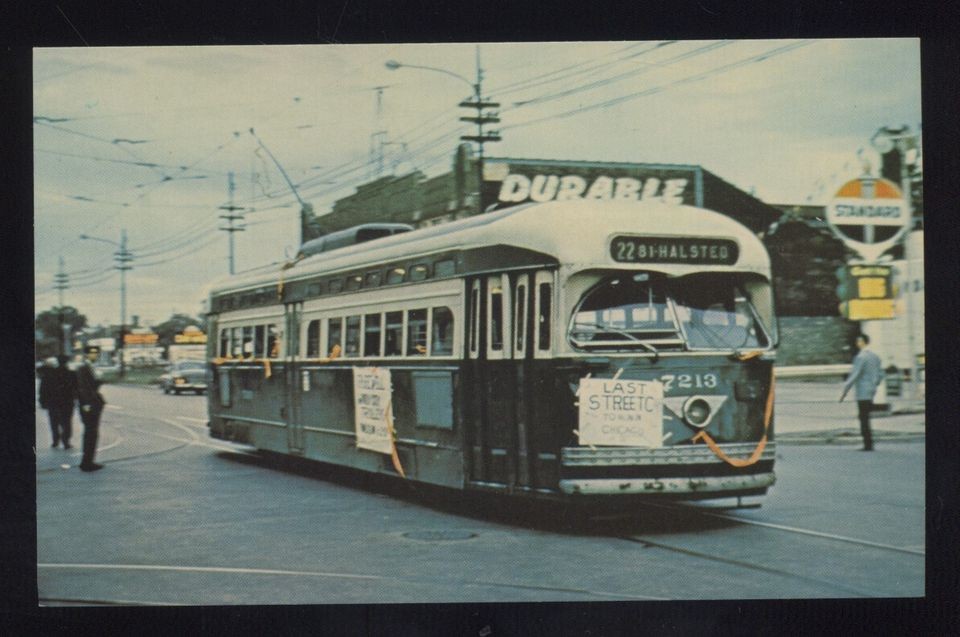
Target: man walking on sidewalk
column 865, row 376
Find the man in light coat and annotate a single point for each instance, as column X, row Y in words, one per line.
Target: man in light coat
column 865, row 377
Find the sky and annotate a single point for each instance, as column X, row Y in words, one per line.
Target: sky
column 143, row 139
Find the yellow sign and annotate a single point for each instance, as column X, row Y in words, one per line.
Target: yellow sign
column 195, row 337
column 869, row 309
column 140, row 339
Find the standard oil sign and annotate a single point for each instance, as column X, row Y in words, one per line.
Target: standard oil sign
column 695, row 251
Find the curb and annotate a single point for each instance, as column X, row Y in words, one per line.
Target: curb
column 841, row 437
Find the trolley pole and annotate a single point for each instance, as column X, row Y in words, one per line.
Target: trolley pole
column 230, row 218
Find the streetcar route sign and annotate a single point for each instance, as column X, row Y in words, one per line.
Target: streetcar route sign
column 621, row 412
column 371, row 396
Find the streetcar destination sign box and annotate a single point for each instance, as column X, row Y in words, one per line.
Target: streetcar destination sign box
column 630, row 249
column 621, row 412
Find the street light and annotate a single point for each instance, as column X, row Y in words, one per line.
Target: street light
column 123, row 257
column 477, row 103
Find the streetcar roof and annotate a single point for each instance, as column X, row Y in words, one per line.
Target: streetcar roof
column 574, row 233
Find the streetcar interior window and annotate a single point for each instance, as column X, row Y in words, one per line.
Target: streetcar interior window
column 236, row 344
column 543, row 317
column 395, row 275
column 496, row 316
column 313, row 339
column 442, row 335
column 248, row 341
column 260, row 341
column 224, row 342
column 314, row 289
column 354, row 282
column 419, row 272
column 334, row 331
column 520, row 315
column 393, row 337
column 372, row 280
column 371, row 337
column 273, row 341
column 444, row 268
column 335, row 285
column 351, row 345
column 417, row 332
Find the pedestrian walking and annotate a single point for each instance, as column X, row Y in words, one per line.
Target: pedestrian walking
column 865, row 377
column 58, row 392
column 91, row 406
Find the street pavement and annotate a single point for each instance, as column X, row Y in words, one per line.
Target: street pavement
column 810, row 412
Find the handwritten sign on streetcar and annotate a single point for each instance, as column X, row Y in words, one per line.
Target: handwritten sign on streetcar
column 371, row 396
column 621, row 412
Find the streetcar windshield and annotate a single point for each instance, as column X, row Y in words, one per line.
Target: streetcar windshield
column 697, row 312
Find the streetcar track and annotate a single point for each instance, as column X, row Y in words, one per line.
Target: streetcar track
column 753, row 567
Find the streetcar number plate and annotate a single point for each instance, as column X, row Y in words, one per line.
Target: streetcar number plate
column 639, row 249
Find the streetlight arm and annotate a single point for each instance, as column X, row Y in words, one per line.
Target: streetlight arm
column 89, row 238
column 394, row 65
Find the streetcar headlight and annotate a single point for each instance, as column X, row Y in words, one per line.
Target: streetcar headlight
column 696, row 412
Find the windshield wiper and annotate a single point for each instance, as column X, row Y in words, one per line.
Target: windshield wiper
column 615, row 330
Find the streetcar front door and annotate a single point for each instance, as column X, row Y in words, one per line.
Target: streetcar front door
column 291, row 412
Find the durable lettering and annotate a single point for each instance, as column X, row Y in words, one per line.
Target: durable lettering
column 601, row 188
column 544, row 187
column 673, row 191
column 650, row 189
column 514, row 188
column 571, row 187
column 626, row 188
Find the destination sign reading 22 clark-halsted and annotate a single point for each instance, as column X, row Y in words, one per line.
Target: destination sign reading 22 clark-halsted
column 627, row 249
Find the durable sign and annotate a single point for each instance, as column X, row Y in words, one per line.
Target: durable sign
column 869, row 215
column 371, row 395
column 621, row 412
column 628, row 249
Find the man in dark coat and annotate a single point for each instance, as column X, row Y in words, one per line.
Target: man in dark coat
column 91, row 406
column 58, row 391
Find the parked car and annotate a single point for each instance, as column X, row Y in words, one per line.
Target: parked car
column 185, row 376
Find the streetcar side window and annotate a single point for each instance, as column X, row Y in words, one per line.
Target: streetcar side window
column 395, row 275
column 354, row 282
column 442, row 333
column 496, row 315
column 235, row 343
column 335, row 285
column 475, row 319
column 393, row 337
column 273, row 341
column 248, row 341
column 372, row 280
column 352, row 342
column 543, row 316
column 224, row 342
column 259, row 341
column 371, row 337
column 520, row 313
column 419, row 272
column 334, row 330
column 416, row 333
column 313, row 339
column 443, row 268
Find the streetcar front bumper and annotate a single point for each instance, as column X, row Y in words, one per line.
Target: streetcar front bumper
column 680, row 471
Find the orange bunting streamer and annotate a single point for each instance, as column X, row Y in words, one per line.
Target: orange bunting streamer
column 736, row 462
column 394, row 456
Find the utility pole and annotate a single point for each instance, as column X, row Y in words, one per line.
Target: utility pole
column 482, row 117
column 61, row 283
column 231, row 217
column 123, row 257
column 378, row 138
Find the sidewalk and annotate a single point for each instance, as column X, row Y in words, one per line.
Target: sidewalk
column 809, row 413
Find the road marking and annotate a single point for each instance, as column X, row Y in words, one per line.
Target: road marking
column 194, row 439
column 209, row 569
column 114, row 407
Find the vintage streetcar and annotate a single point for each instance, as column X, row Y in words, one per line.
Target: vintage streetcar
column 570, row 349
